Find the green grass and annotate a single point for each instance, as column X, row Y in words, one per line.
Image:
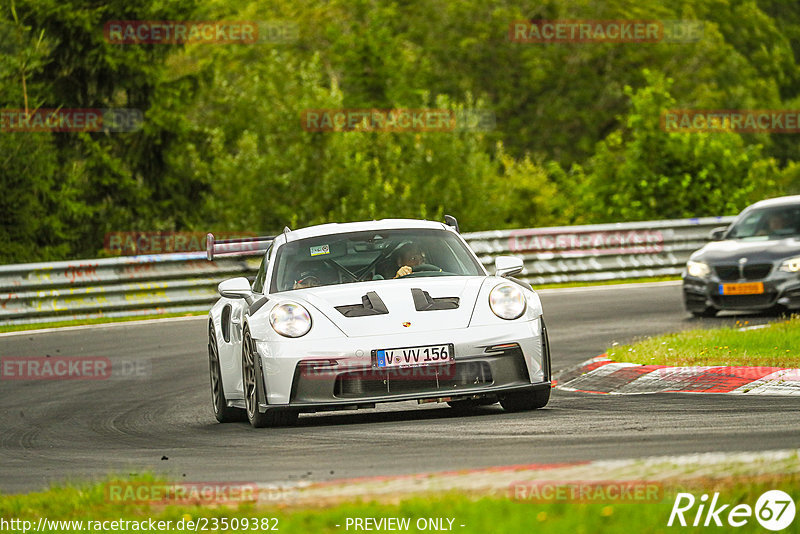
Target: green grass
column 98, row 320
column 777, row 345
column 481, row 515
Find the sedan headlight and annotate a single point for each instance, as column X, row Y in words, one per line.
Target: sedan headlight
column 507, row 301
column 792, row 265
column 697, row 269
column 290, row 319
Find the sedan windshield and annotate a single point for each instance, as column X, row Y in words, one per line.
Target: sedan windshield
column 371, row 255
column 768, row 223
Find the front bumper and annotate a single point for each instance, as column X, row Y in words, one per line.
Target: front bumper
column 312, row 376
column 311, row 407
column 780, row 289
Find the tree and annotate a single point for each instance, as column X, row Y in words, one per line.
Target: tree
column 641, row 172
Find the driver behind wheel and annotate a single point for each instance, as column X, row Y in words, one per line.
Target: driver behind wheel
column 408, row 256
column 307, row 279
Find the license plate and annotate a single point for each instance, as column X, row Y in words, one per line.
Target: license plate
column 414, row 356
column 750, row 288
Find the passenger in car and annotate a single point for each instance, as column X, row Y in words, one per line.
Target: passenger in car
column 306, row 279
column 314, row 274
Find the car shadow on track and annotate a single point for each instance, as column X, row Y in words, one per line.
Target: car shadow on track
column 728, row 318
column 412, row 414
column 394, row 416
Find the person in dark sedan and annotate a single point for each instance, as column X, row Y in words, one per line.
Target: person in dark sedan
column 776, row 223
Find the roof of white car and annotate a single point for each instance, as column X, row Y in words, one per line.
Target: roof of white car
column 383, row 224
column 779, row 201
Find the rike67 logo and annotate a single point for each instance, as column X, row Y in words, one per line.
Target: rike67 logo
column 774, row 510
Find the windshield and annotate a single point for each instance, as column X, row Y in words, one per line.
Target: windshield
column 371, row 255
column 768, row 223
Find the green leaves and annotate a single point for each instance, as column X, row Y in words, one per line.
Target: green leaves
column 642, row 172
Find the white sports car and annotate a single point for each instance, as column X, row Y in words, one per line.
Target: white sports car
column 343, row 316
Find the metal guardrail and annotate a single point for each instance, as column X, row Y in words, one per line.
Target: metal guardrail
column 599, row 252
column 186, row 282
column 113, row 287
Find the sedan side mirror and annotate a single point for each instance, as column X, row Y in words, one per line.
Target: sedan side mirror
column 507, row 266
column 717, row 233
column 236, row 288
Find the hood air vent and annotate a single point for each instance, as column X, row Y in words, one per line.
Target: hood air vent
column 371, row 304
column 424, row 302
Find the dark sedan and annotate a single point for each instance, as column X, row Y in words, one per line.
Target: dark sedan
column 754, row 264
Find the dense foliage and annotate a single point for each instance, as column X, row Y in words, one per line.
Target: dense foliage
column 577, row 136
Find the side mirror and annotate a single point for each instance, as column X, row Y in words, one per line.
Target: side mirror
column 236, row 288
column 507, row 265
column 717, row 233
column 451, row 221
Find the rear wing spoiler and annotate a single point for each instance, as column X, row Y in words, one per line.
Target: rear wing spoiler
column 245, row 246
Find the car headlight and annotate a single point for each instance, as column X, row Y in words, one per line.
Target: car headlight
column 290, row 319
column 792, row 265
column 698, row 269
column 507, row 301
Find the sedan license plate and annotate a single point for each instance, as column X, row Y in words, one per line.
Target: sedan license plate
column 414, row 356
column 750, row 288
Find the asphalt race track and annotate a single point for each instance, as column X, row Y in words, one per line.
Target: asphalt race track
column 51, row 431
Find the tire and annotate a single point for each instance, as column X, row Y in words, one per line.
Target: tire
column 222, row 412
column 470, row 404
column 708, row 312
column 779, row 311
column 254, row 390
column 529, row 400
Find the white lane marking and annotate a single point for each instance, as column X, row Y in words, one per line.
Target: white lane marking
column 754, row 327
column 781, row 382
column 665, row 379
column 609, row 287
column 590, row 376
column 666, row 469
column 784, row 382
column 103, row 325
